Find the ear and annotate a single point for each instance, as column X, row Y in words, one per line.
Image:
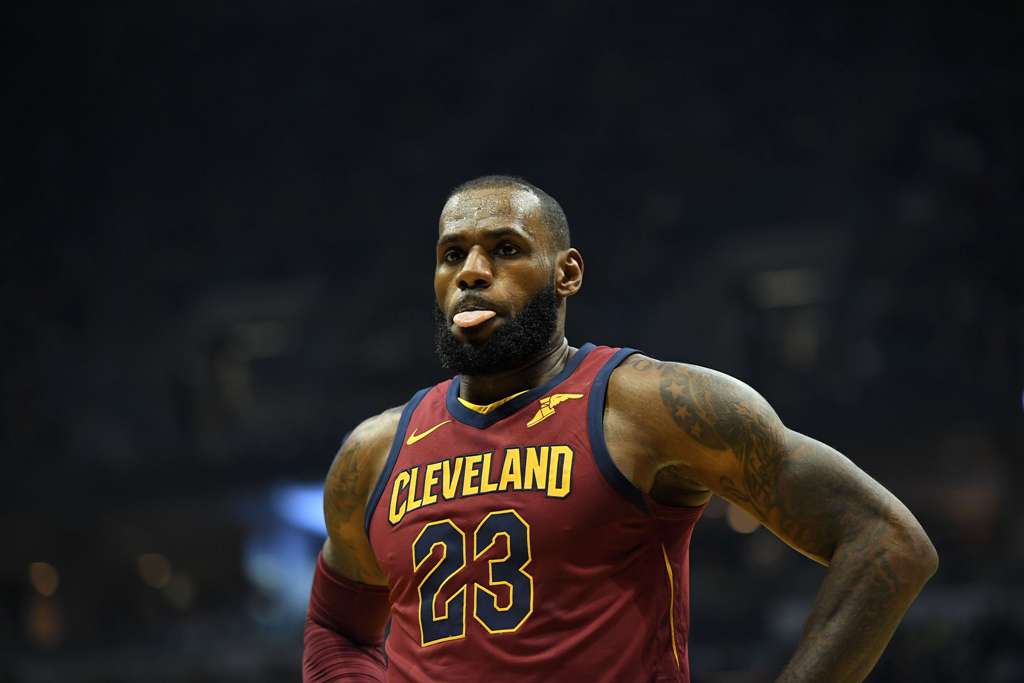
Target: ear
column 568, row 273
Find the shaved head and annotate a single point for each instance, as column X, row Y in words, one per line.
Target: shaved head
column 547, row 207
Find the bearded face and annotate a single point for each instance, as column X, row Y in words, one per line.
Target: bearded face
column 511, row 345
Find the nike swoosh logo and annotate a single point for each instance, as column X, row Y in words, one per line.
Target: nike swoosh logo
column 414, row 437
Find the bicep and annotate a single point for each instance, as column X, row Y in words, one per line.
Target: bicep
column 731, row 439
column 810, row 495
column 346, row 491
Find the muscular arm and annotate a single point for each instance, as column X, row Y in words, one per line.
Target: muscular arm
column 348, row 604
column 710, row 430
column 347, row 490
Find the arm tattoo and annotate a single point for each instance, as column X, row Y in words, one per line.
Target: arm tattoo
column 344, row 504
column 815, row 500
column 342, row 500
column 711, row 411
column 722, row 414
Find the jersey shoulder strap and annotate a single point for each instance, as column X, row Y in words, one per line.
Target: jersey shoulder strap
column 389, row 464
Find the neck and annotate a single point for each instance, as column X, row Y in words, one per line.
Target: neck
column 484, row 389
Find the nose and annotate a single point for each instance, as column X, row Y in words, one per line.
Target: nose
column 476, row 270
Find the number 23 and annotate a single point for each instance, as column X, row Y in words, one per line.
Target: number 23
column 449, row 622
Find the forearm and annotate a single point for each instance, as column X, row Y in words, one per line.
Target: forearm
column 871, row 581
column 344, row 630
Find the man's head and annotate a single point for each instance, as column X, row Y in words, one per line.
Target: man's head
column 502, row 251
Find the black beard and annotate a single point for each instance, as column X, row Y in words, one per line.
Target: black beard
column 511, row 345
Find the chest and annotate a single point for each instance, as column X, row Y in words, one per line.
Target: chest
column 489, row 497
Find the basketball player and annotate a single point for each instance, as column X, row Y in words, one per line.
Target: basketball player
column 529, row 519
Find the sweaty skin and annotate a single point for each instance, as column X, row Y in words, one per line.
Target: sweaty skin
column 678, row 432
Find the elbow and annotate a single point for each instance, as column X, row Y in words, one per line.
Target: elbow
column 931, row 558
column 927, row 560
column 918, row 556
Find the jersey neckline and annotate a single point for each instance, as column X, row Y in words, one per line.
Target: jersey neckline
column 472, row 418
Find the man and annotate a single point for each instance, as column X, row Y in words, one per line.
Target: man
column 529, row 520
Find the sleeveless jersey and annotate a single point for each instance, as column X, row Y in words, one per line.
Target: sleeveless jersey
column 515, row 550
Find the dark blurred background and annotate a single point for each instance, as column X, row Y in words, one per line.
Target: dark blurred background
column 217, row 247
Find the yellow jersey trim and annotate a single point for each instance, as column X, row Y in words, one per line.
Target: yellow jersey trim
column 671, row 605
column 483, row 410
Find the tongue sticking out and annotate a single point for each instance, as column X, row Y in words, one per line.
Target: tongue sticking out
column 472, row 318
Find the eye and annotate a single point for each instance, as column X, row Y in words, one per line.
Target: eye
column 452, row 255
column 507, row 249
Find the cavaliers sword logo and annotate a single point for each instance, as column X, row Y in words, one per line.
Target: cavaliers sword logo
column 547, row 406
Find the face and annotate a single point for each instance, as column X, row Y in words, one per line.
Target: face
column 494, row 254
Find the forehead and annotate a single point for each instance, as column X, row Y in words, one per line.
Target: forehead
column 492, row 207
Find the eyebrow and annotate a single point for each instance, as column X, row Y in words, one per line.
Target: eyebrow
column 493, row 234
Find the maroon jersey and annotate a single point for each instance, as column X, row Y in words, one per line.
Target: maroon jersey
column 515, row 549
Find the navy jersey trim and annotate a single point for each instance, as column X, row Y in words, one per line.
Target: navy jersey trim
column 389, row 464
column 484, row 420
column 595, row 428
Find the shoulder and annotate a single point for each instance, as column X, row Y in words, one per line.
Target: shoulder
column 667, row 426
column 374, row 432
column 357, row 466
column 679, row 399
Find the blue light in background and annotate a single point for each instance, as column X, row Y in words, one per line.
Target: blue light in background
column 301, row 505
column 284, row 531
